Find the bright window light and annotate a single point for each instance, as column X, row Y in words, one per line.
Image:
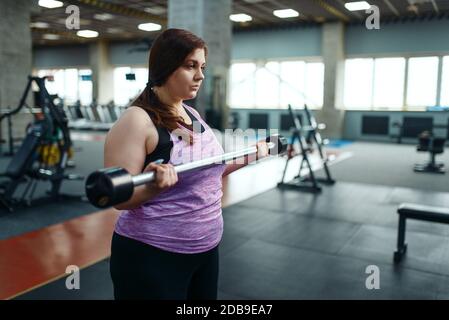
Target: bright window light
column 422, row 81
column 389, row 83
column 357, row 5
column 292, row 83
column 358, row 84
column 125, row 91
column 149, row 26
column 87, row 34
column 241, row 94
column 50, row 4
column 286, row 13
column 267, row 85
column 240, row 17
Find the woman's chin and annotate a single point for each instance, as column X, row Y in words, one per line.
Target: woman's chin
column 191, row 95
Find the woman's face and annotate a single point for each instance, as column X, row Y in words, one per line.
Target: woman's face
column 185, row 82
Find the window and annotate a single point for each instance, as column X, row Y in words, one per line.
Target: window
column 275, row 84
column 389, row 83
column 242, row 85
column 314, row 84
column 445, row 83
column 292, row 84
column 267, row 86
column 379, row 83
column 358, row 84
column 85, row 86
column 422, row 81
column 126, row 86
column 71, row 85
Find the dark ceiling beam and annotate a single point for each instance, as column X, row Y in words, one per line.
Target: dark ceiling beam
column 435, row 6
column 392, row 8
column 123, row 10
column 331, row 9
column 64, row 34
column 260, row 14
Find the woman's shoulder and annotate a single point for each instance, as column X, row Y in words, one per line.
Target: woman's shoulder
column 134, row 118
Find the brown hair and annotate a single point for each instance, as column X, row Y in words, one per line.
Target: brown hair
column 168, row 52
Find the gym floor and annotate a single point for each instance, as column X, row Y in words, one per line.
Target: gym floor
column 277, row 244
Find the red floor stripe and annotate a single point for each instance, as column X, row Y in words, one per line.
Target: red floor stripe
column 37, row 257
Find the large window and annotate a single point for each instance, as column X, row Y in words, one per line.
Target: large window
column 71, row 85
column 128, row 83
column 379, row 83
column 275, row 84
column 389, row 83
column 422, row 81
column 358, row 87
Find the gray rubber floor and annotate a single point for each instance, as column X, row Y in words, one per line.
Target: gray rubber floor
column 292, row 245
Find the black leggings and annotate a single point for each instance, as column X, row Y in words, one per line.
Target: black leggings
column 141, row 271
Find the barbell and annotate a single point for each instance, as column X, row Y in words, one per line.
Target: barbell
column 110, row 186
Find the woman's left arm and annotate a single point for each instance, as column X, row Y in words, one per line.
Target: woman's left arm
column 262, row 152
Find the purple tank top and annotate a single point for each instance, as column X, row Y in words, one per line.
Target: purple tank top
column 185, row 218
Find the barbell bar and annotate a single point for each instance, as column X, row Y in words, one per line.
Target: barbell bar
column 110, row 186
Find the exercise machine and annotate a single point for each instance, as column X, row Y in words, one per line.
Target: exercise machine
column 42, row 156
column 306, row 137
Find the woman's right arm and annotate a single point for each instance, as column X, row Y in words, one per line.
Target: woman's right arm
column 126, row 147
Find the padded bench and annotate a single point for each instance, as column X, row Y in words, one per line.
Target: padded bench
column 416, row 212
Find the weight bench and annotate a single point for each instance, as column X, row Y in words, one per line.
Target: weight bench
column 416, row 212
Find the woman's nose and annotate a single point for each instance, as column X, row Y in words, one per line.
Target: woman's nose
column 199, row 75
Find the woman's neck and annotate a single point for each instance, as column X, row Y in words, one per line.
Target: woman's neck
column 167, row 99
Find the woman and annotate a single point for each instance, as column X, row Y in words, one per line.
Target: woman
column 165, row 244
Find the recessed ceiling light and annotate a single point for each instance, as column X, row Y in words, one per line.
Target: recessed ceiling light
column 50, row 36
column 40, row 25
column 87, row 33
column 240, row 17
column 357, row 5
column 50, row 4
column 149, row 26
column 286, row 13
column 103, row 16
column 157, row 10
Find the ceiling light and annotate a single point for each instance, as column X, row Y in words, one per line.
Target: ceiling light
column 50, row 4
column 157, row 10
column 49, row 36
column 103, row 16
column 40, row 25
column 87, row 34
column 358, row 5
column 149, row 26
column 240, row 17
column 286, row 13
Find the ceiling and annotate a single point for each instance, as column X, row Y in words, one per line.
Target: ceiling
column 124, row 16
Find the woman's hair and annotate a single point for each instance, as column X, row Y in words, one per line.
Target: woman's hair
column 168, row 52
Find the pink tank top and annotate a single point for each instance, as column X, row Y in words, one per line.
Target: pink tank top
column 185, row 218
